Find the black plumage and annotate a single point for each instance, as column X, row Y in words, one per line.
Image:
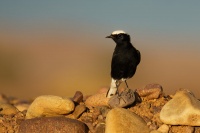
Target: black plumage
column 125, row 57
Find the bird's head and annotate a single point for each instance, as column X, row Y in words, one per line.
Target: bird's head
column 119, row 36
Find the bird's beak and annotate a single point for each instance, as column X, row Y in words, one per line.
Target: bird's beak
column 110, row 36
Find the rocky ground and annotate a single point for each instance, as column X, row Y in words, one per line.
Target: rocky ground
column 151, row 112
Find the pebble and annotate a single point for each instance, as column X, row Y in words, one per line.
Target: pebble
column 49, row 105
column 100, row 128
column 120, row 120
column 7, row 109
column 78, row 97
column 153, row 126
column 100, row 111
column 182, row 129
column 155, row 131
column 104, row 110
column 150, row 91
column 79, row 109
column 98, row 99
column 163, row 128
column 88, row 120
column 197, row 129
column 95, row 113
column 52, row 125
column 183, row 109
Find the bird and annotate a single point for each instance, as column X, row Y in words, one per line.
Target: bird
column 125, row 60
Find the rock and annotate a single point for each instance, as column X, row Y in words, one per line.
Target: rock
column 155, row 131
column 78, row 97
column 163, row 128
column 100, row 112
column 150, row 91
column 104, row 110
column 156, row 119
column 7, row 109
column 79, row 109
column 91, row 127
column 183, row 109
column 88, row 120
column 100, row 128
column 197, row 130
column 52, row 125
column 182, row 129
column 152, row 125
column 48, row 105
column 98, row 99
column 96, row 113
column 100, row 119
column 120, row 120
column 126, row 98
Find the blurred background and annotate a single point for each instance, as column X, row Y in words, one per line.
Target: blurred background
column 59, row 47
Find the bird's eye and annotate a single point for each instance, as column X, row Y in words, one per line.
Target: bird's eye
column 120, row 36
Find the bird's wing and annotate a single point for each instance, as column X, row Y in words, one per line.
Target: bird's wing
column 117, row 66
column 138, row 56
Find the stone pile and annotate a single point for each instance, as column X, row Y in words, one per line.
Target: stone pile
column 151, row 112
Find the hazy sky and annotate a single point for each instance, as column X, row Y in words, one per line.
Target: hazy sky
column 151, row 17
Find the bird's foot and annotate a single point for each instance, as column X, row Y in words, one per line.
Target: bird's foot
column 111, row 92
column 123, row 99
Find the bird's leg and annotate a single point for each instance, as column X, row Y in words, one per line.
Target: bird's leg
column 113, row 88
column 127, row 88
column 117, row 84
column 126, row 84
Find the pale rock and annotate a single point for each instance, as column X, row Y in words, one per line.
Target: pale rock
column 120, row 120
column 98, row 99
column 150, row 91
column 183, row 109
column 49, row 105
column 163, row 128
column 7, row 109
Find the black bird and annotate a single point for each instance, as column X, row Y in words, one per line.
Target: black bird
column 124, row 60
